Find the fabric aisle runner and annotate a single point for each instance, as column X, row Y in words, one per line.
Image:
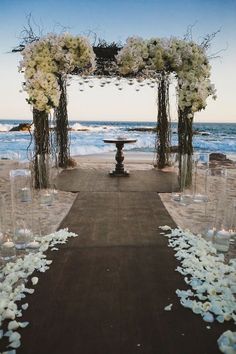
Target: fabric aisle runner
column 106, row 290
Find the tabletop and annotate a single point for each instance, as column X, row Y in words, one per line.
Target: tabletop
column 120, row 140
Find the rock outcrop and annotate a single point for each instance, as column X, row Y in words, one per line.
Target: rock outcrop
column 22, row 127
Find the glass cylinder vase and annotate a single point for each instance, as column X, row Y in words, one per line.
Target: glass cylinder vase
column 200, row 177
column 7, row 248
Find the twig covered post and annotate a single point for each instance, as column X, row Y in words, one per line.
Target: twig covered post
column 62, row 125
column 185, row 141
column 163, row 135
column 41, row 148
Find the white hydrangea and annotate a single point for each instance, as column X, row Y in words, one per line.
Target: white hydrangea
column 131, row 58
column 43, row 60
column 186, row 59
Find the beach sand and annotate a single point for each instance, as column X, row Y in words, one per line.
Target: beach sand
column 192, row 217
column 133, row 161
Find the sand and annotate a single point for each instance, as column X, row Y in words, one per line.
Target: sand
column 106, row 161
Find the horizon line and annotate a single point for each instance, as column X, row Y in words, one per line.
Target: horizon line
column 124, row 121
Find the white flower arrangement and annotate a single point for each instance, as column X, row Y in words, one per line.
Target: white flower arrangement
column 212, row 282
column 16, row 283
column 186, row 59
column 49, row 57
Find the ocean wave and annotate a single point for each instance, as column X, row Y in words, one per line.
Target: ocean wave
column 215, row 145
column 204, row 133
column 88, row 137
column 80, row 127
column 5, row 127
column 90, row 150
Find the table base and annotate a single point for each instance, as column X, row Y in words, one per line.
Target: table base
column 119, row 174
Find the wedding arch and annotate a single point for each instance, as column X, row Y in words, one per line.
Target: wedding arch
column 49, row 60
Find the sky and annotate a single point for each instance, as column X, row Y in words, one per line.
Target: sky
column 115, row 21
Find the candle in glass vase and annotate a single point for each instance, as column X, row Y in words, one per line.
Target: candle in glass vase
column 22, row 237
column 221, row 241
column 25, row 195
column 8, row 251
column 47, row 198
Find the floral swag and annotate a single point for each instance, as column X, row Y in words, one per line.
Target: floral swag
column 45, row 60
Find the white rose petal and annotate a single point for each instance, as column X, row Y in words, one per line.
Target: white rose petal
column 35, row 280
column 13, row 277
column 23, row 324
column 15, row 336
column 25, row 306
column 8, row 314
column 165, row 228
column 54, row 249
column 15, row 344
column 13, row 325
column 168, row 308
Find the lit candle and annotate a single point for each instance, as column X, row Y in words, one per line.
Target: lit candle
column 47, row 198
column 21, row 237
column 8, row 244
column 176, row 196
column 25, row 195
column 8, row 250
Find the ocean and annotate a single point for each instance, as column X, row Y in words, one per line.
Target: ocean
column 210, row 137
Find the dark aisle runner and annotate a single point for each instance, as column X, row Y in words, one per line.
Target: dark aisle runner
column 106, row 290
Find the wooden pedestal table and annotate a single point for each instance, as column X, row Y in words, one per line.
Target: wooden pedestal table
column 119, row 170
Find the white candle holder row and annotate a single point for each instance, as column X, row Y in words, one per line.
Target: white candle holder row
column 10, row 245
column 213, row 188
column 20, row 236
